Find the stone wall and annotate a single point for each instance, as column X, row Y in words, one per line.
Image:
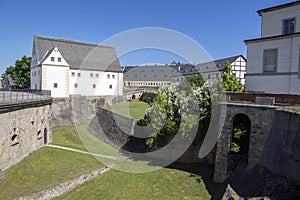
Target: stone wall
column 112, row 128
column 124, row 133
column 68, row 111
column 282, row 150
column 25, row 127
column 261, row 117
column 251, row 96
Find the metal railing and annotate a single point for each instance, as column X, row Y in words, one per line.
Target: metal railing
column 22, row 94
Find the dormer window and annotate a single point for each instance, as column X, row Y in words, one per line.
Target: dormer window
column 288, row 26
column 59, row 59
column 52, row 59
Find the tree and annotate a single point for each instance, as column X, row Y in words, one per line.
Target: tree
column 179, row 108
column 230, row 81
column 20, row 73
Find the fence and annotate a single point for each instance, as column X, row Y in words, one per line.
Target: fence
column 23, row 94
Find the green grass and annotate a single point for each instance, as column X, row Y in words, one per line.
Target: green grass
column 135, row 109
column 68, row 137
column 293, row 108
column 162, row 184
column 44, row 169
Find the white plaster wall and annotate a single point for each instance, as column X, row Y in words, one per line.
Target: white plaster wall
column 85, row 83
column 56, row 74
column 285, row 84
column 35, row 80
column 56, row 54
column 272, row 21
column 288, row 62
column 255, row 55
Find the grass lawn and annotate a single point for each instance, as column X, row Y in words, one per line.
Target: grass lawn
column 294, row 108
column 44, row 169
column 68, row 136
column 162, row 184
column 135, row 109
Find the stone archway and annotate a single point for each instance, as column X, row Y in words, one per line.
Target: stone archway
column 260, row 117
column 240, row 141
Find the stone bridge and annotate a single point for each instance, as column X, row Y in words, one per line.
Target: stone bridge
column 260, row 110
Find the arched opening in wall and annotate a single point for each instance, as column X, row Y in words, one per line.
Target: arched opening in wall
column 39, row 135
column 239, row 145
column 133, row 96
column 45, row 136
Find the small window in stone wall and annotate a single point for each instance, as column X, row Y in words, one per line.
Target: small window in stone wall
column 39, row 135
column 14, row 135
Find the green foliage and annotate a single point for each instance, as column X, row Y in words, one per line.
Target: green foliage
column 236, row 138
column 20, row 72
column 179, row 108
column 230, row 81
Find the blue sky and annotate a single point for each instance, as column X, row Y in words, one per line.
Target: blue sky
column 219, row 26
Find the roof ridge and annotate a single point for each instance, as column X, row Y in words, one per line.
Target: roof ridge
column 72, row 41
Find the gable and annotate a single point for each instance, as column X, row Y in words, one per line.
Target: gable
column 54, row 57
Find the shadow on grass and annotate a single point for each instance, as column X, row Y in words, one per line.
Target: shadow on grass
column 203, row 172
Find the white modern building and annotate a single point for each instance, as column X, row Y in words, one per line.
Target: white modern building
column 273, row 61
column 69, row 67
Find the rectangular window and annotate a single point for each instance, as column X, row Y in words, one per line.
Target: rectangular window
column 52, row 59
column 78, row 74
column 73, row 74
column 91, row 75
column 270, row 60
column 110, row 86
column 113, row 76
column 55, row 85
column 94, row 85
column 288, row 26
column 76, row 85
column 108, row 76
column 59, row 59
column 97, row 75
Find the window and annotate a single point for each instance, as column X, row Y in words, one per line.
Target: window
column 91, row 75
column 288, row 26
column 76, row 85
column 59, row 59
column 97, row 75
column 108, row 76
column 78, row 74
column 113, row 76
column 110, row 86
column 52, row 59
column 73, row 74
column 270, row 60
column 94, row 85
column 55, row 85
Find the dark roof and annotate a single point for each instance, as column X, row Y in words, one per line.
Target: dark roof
column 276, row 37
column 164, row 73
column 216, row 65
column 79, row 55
column 149, row 73
column 278, row 7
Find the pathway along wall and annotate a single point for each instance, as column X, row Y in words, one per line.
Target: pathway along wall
column 25, row 127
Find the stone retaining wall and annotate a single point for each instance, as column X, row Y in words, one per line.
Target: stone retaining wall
column 25, row 127
column 251, row 96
